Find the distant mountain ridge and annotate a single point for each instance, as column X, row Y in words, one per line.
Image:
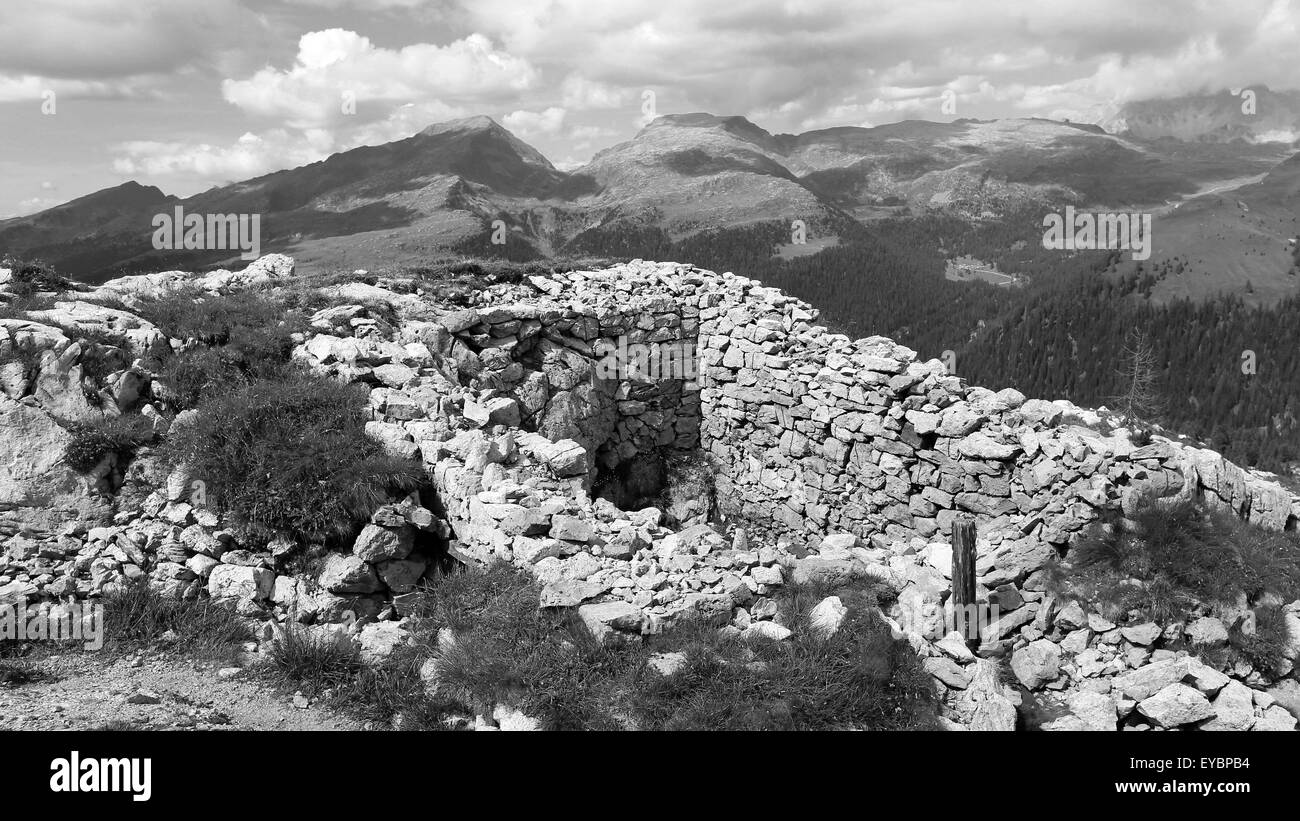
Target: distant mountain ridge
column 1253, row 114
column 444, row 189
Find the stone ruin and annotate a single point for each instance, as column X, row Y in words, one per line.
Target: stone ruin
column 549, row 414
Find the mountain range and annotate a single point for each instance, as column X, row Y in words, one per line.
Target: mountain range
column 1224, row 198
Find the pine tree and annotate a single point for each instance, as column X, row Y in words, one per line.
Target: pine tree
column 1139, row 403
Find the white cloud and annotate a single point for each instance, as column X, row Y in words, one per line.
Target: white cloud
column 31, row 88
column 31, row 206
column 569, row 163
column 402, row 122
column 335, row 65
column 819, row 59
column 253, row 154
column 250, row 156
column 789, row 66
column 529, row 124
column 581, row 94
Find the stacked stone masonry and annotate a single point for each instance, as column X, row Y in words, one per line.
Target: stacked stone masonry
column 833, row 458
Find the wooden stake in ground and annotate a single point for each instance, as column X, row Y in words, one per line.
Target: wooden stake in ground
column 963, row 577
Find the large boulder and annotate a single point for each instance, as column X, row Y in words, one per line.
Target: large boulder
column 349, row 574
column 1036, row 663
column 378, row 544
column 37, row 489
column 608, row 620
column 1175, row 705
column 228, row 581
column 1234, row 709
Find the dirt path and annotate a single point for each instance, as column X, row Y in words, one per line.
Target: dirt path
column 86, row 691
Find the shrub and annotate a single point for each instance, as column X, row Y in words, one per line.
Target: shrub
column 549, row 666
column 507, row 651
column 16, row 673
column 194, row 373
column 859, row 678
column 291, row 456
column 33, row 276
column 1182, row 554
column 140, row 614
column 1265, row 648
column 91, row 442
column 242, row 336
column 187, row 313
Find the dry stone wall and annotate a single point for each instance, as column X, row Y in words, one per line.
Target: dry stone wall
column 816, row 433
column 834, row 458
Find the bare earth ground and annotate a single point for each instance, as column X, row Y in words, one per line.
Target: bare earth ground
column 86, row 691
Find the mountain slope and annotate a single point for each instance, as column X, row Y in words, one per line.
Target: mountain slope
column 1219, row 117
column 685, row 173
column 418, row 185
column 442, row 190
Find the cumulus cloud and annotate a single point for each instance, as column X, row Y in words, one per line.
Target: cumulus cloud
column 530, row 124
column 335, row 66
column 581, row 94
column 30, row 87
column 788, row 66
column 882, row 60
column 250, row 156
column 254, row 154
column 401, row 123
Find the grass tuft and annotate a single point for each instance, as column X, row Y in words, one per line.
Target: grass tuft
column 1181, row 555
column 314, row 660
column 140, row 615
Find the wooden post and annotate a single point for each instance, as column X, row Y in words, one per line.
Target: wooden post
column 963, row 577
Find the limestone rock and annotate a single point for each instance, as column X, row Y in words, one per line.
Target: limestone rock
column 377, row 544
column 232, row 581
column 825, row 619
column 349, row 574
column 607, row 619
column 1175, row 705
column 1036, row 663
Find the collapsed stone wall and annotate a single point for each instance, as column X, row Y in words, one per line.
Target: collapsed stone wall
column 816, row 433
column 852, row 454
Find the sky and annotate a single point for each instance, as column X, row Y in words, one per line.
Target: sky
column 188, row 94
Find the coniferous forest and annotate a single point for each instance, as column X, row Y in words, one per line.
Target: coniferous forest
column 1227, row 371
